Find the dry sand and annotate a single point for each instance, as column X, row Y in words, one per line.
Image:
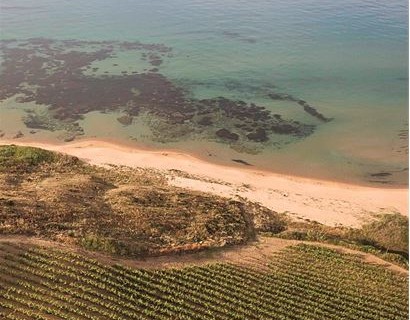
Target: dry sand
column 327, row 202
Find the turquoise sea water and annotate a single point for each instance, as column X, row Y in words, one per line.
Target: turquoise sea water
column 347, row 59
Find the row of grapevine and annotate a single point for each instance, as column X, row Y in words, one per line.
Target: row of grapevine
column 300, row 282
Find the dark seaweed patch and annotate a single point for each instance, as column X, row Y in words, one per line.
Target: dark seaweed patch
column 226, row 134
column 205, row 121
column 306, row 106
column 51, row 73
column 18, row 135
column 241, row 162
column 403, row 146
column 259, row 135
column 381, row 174
column 389, row 177
column 238, row 36
column 125, row 120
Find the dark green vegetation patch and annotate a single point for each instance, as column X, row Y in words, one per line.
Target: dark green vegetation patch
column 301, row 282
column 13, row 157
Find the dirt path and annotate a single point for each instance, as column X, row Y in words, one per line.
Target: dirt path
column 254, row 254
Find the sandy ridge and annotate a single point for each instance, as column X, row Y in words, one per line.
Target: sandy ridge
column 327, row 202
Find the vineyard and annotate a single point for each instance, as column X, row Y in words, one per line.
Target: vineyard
column 299, row 282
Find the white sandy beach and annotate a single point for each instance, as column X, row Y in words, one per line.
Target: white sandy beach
column 327, row 202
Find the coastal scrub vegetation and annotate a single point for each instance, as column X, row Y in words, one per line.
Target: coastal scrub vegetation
column 24, row 158
column 134, row 212
column 387, row 236
column 119, row 210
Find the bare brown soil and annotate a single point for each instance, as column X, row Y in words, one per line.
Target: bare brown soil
column 255, row 254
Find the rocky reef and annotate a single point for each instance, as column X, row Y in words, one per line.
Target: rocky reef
column 64, row 77
column 306, row 106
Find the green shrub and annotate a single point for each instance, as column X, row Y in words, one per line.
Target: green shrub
column 389, row 232
column 15, row 157
column 96, row 242
column 293, row 235
column 269, row 221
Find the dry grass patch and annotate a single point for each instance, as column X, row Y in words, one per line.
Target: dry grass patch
column 117, row 210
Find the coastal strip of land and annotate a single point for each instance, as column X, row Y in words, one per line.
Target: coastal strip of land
column 326, row 202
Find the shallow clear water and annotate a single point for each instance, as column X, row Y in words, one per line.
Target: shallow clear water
column 348, row 59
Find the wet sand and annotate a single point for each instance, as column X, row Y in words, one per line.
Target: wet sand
column 327, row 202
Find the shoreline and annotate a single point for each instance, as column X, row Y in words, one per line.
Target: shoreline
column 138, row 147
column 327, row 202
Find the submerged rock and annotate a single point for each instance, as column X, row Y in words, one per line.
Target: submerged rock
column 284, row 128
column 156, row 62
column 69, row 138
column 306, row 106
column 281, row 96
column 312, row 111
column 381, row 174
column 54, row 72
column 258, row 136
column 241, row 162
column 205, row 121
column 19, row 134
column 125, row 120
column 226, row 134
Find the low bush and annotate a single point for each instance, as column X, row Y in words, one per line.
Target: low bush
column 14, row 157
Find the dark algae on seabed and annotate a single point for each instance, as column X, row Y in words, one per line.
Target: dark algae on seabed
column 66, row 78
